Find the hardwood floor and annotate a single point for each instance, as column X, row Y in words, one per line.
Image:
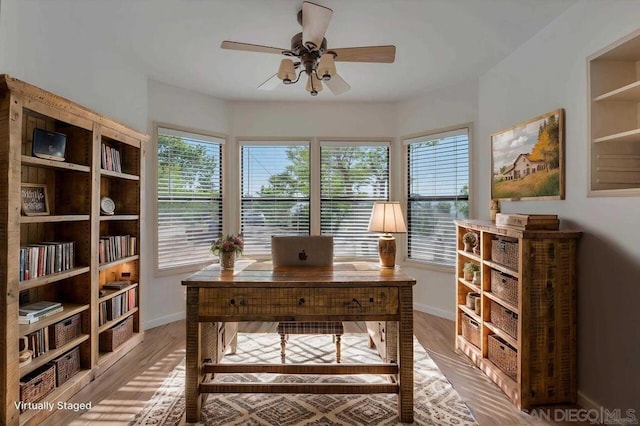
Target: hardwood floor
column 122, row 391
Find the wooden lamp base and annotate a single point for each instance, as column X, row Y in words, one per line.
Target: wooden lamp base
column 387, row 251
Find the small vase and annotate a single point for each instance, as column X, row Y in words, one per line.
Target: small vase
column 227, row 259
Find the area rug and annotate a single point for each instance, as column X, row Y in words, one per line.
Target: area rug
column 435, row 400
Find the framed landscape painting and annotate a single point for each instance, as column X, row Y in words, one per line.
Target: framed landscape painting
column 527, row 160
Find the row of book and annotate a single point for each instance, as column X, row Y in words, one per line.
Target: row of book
column 38, row 342
column 45, row 258
column 116, row 306
column 114, row 247
column 111, row 159
column 28, row 314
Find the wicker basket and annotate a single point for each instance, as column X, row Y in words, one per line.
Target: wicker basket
column 470, row 330
column 504, row 319
column 503, row 356
column 115, row 336
column 36, row 385
column 67, row 365
column 64, row 331
column 505, row 252
column 504, row 286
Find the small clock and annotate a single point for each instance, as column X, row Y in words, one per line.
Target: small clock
column 107, row 206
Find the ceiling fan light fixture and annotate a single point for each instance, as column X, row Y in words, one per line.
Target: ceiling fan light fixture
column 326, row 66
column 313, row 85
column 287, row 71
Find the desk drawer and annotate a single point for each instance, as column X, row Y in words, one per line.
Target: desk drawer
column 298, row 301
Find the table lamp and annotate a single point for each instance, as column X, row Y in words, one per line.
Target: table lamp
column 386, row 217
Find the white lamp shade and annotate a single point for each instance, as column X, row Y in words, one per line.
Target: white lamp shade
column 387, row 217
column 287, row 70
column 326, row 65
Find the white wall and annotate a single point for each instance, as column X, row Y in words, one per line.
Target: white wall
column 40, row 46
column 549, row 72
column 163, row 300
column 457, row 105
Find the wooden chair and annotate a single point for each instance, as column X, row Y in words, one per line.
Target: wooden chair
column 305, row 251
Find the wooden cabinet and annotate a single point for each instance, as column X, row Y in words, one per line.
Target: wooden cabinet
column 54, row 256
column 523, row 334
column 614, row 94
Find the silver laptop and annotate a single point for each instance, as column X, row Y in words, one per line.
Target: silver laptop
column 306, row 250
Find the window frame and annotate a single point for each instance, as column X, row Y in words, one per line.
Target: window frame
column 220, row 138
column 314, row 175
column 353, row 142
column 405, row 141
column 276, row 142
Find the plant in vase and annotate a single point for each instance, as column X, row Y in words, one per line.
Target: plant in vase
column 470, row 239
column 468, row 269
column 227, row 247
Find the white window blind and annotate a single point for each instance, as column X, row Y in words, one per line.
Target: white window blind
column 189, row 197
column 353, row 176
column 438, row 193
column 275, row 193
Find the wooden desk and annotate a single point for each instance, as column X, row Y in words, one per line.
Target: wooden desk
column 356, row 291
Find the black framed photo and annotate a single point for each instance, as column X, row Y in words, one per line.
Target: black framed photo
column 34, row 199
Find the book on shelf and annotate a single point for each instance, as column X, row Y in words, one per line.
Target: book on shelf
column 116, row 285
column 30, row 320
column 45, row 258
column 527, row 222
column 110, row 158
column 37, row 309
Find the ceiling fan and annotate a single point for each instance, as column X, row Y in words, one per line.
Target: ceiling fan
column 312, row 57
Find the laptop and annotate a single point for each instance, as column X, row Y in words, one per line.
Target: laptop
column 305, row 250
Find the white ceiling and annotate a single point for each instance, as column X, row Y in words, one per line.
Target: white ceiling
column 438, row 42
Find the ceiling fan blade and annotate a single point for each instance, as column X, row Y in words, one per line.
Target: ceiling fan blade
column 234, row 45
column 271, row 83
column 337, row 85
column 384, row 54
column 315, row 21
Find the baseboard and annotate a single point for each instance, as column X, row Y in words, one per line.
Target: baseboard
column 434, row 311
column 156, row 322
column 586, row 402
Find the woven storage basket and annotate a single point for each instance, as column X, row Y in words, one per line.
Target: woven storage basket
column 505, row 252
column 115, row 336
column 504, row 319
column 470, row 330
column 67, row 365
column 503, row 356
column 504, row 286
column 64, row 331
column 36, row 385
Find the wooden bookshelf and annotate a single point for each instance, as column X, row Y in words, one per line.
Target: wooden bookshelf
column 74, row 187
column 541, row 270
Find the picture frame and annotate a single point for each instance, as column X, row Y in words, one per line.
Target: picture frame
column 35, row 201
column 527, row 160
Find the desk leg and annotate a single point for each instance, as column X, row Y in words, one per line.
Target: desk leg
column 193, row 372
column 405, row 355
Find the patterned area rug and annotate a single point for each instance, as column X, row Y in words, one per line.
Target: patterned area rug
column 435, row 400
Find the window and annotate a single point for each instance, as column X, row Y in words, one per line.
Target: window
column 274, row 194
column 352, row 176
column 438, row 193
column 189, row 197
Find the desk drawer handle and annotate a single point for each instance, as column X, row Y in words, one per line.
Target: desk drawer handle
column 301, row 301
column 354, row 300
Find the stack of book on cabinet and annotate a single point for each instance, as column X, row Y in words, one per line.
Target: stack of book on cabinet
column 34, row 311
column 528, row 222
